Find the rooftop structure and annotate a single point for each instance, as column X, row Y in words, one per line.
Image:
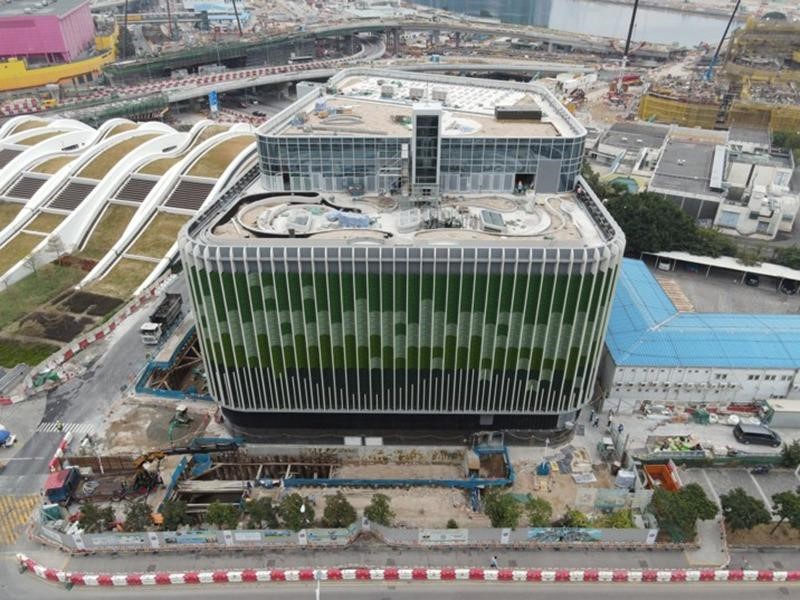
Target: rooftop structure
column 633, row 137
column 497, row 220
column 47, row 31
column 373, row 131
column 645, row 329
column 685, row 171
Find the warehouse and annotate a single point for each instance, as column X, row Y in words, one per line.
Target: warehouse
column 656, row 353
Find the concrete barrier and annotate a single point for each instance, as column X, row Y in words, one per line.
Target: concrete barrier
column 587, row 576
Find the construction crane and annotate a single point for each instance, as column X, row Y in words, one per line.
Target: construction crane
column 627, row 46
column 709, row 74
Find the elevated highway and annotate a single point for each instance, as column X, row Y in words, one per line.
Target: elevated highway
column 550, row 39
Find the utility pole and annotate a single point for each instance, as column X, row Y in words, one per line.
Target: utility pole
column 125, row 32
column 236, row 13
column 710, row 71
column 627, row 45
column 169, row 21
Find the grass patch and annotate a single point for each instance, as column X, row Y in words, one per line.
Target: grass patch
column 29, row 124
column 34, row 290
column 18, row 248
column 39, row 137
column 158, row 236
column 102, row 164
column 45, row 222
column 109, row 228
column 14, row 352
column 160, row 166
column 123, row 279
column 214, row 162
column 8, row 210
column 208, row 133
column 51, row 165
column 120, row 128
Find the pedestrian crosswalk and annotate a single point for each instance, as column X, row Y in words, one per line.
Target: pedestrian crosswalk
column 73, row 427
column 14, row 513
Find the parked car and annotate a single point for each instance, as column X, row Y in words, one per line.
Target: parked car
column 756, row 434
column 788, row 286
column 751, row 279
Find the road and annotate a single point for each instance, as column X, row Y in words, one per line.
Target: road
column 14, row 585
column 112, row 368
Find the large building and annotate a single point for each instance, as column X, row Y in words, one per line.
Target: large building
column 320, row 304
column 46, row 32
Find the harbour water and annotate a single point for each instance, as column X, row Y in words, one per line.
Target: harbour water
column 599, row 18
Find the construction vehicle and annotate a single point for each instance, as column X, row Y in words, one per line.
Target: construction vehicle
column 165, row 315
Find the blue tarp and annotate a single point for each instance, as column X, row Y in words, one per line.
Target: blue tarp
column 645, row 329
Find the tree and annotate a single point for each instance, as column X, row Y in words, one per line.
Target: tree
column 790, row 454
column 575, row 518
column 677, row 512
column 539, row 512
column 787, row 507
column 174, row 513
column 138, row 517
column 621, row 519
column 451, row 524
column 742, row 511
column 223, row 515
column 262, row 512
column 788, row 256
column 293, row 514
column 379, row 511
column 704, row 507
column 338, row 511
column 94, row 518
column 503, row 510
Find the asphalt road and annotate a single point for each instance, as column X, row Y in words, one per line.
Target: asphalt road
column 28, row 470
column 16, row 586
column 87, row 398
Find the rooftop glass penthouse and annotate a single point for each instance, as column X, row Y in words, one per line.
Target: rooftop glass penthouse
column 375, row 131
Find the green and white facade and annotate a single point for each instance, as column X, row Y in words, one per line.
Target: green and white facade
column 415, row 311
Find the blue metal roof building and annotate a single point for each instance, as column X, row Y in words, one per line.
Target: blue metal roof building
column 646, row 330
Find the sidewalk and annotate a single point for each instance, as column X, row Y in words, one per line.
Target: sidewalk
column 712, row 551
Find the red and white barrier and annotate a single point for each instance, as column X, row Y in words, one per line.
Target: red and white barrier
column 55, row 462
column 406, row 574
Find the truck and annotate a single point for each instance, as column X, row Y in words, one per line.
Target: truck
column 60, row 486
column 164, row 316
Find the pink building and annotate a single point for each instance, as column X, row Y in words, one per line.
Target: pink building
column 45, row 31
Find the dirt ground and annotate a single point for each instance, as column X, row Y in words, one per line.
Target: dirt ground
column 394, row 471
column 135, row 427
column 431, row 507
column 93, row 304
column 761, row 535
column 53, row 326
column 559, row 489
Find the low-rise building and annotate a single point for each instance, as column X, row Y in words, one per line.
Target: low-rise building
column 655, row 353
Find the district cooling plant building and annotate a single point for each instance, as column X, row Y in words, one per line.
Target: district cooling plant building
column 323, row 302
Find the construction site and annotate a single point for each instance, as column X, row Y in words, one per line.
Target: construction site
column 756, row 84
